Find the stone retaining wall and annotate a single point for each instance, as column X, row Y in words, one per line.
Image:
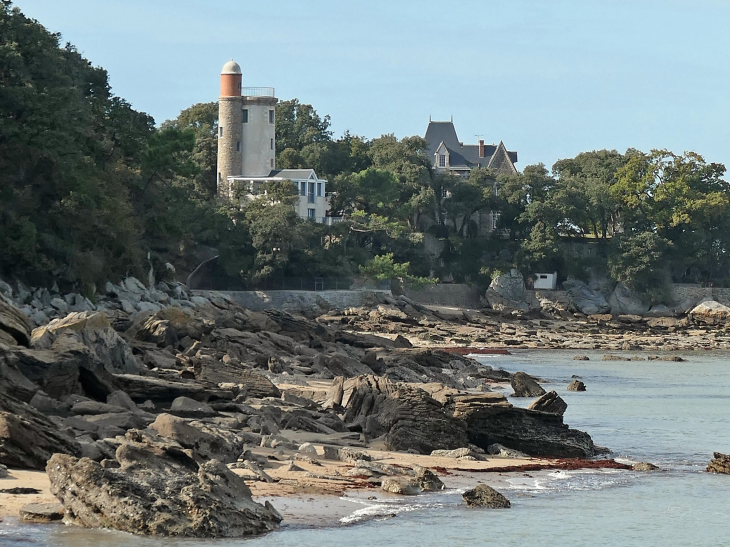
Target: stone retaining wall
column 298, row 300
column 680, row 293
column 457, row 295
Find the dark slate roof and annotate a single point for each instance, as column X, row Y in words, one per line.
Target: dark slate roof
column 438, row 132
column 459, row 155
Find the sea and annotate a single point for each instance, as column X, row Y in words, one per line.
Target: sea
column 672, row 414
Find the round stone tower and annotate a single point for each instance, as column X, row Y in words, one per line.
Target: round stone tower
column 230, row 127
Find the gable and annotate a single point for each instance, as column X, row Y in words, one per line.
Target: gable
column 501, row 161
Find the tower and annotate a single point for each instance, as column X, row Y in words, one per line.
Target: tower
column 230, row 120
column 259, row 131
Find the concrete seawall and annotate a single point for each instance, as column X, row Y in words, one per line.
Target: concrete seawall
column 299, row 300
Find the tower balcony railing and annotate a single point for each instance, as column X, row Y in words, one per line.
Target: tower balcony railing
column 258, row 92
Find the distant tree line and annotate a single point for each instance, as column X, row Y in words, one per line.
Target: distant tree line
column 91, row 189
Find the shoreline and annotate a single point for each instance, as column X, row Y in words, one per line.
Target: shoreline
column 319, row 502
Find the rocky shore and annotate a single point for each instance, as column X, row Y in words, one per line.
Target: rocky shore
column 158, row 411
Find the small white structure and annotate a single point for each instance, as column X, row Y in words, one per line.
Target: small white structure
column 547, row 281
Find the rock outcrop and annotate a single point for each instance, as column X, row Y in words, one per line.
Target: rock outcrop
column 400, row 485
column 158, row 490
column 41, row 512
column 644, row 466
column 585, row 299
column 711, row 313
column 485, row 496
column 624, row 301
column 576, row 385
column 27, row 437
column 69, row 367
column 416, row 421
column 15, row 326
column 534, row 433
column 93, row 330
column 720, row 463
column 550, row 402
column 507, row 292
column 427, row 480
column 204, row 444
column 525, row 385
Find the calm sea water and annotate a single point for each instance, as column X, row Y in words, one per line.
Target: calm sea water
column 671, row 414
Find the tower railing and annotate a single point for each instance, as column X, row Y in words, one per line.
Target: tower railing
column 257, row 92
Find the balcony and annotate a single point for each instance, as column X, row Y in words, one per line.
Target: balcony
column 258, row 92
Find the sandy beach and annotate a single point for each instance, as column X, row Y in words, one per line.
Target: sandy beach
column 317, row 495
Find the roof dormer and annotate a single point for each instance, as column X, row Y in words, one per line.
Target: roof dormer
column 441, row 159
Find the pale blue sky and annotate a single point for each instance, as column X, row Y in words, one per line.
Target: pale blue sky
column 551, row 78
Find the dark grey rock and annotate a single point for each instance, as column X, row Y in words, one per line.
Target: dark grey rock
column 485, row 496
column 550, row 402
column 525, row 385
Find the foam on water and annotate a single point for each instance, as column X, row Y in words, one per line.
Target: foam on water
column 384, row 508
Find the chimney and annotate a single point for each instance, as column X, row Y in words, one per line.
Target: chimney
column 481, row 148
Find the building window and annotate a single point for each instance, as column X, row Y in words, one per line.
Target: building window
column 442, row 160
column 272, row 163
column 272, row 144
column 319, row 189
column 245, row 115
column 444, row 192
column 310, row 197
column 271, row 116
column 238, row 146
column 303, row 189
column 220, row 131
column 311, row 213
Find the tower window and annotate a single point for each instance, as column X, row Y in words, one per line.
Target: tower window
column 271, row 116
column 272, row 163
column 238, row 146
column 245, row 115
column 272, row 144
column 220, row 130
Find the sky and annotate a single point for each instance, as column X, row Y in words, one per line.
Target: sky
column 550, row 78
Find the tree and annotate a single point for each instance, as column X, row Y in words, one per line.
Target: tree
column 406, row 158
column 202, row 119
column 274, row 227
column 371, row 191
column 382, row 267
column 468, row 197
column 586, row 183
column 683, row 200
column 298, row 125
column 638, row 260
column 521, row 199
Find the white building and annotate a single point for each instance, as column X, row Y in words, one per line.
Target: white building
column 247, row 147
column 313, row 200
